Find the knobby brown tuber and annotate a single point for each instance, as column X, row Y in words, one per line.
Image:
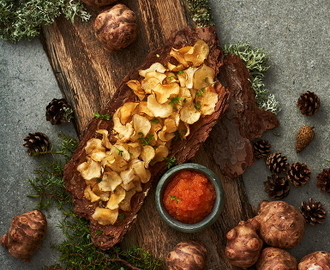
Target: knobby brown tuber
column 98, row 3
column 281, row 224
column 116, row 27
column 276, row 259
column 243, row 244
column 25, row 234
column 188, row 255
column 318, row 260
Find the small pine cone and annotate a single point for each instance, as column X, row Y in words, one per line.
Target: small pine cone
column 308, row 103
column 37, row 143
column 58, row 111
column 304, row 136
column 277, row 163
column 299, row 174
column 261, row 149
column 277, row 187
column 313, row 212
column 323, row 180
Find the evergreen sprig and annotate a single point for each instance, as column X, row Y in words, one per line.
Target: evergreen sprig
column 255, row 60
column 22, row 19
column 77, row 251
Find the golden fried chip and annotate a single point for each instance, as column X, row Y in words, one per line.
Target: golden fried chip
column 90, row 195
column 136, row 86
column 98, row 156
column 165, row 91
column 147, row 154
column 190, row 76
column 160, row 153
column 208, row 102
column 155, row 67
column 140, row 170
column 125, row 204
column 126, row 111
column 105, row 138
column 157, row 109
column 143, row 109
column 105, row 216
column 124, row 131
column 198, row 53
column 141, row 125
column 94, row 145
column 116, row 197
column 134, row 149
column 179, row 56
column 151, row 80
column 203, row 77
column 90, row 169
column 119, row 151
column 110, row 181
column 128, row 175
column 189, row 114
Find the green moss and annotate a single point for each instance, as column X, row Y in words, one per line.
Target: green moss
column 255, row 60
column 22, row 19
column 200, row 12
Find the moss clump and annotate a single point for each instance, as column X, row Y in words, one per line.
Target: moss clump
column 200, row 12
column 256, row 62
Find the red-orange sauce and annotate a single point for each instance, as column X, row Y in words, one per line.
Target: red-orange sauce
column 189, row 197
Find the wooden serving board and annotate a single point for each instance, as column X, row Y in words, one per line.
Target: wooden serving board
column 88, row 77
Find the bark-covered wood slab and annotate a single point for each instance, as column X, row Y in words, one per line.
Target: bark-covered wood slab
column 88, row 77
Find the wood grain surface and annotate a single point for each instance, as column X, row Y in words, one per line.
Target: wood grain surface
column 88, row 77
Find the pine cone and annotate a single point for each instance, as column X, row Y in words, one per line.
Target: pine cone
column 299, row 174
column 261, row 149
column 277, row 163
column 308, row 103
column 58, row 111
column 277, row 187
column 304, row 137
column 323, row 180
column 313, row 212
column 37, row 143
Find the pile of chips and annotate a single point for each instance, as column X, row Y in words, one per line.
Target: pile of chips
column 172, row 96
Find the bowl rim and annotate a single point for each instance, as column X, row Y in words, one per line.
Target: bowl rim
column 208, row 220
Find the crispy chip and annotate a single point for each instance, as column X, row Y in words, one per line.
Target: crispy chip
column 151, row 80
column 208, row 102
column 189, row 114
column 110, row 181
column 124, row 131
column 125, row 204
column 155, row 67
column 126, row 111
column 90, row 169
column 198, row 53
column 190, row 76
column 128, row 175
column 116, row 197
column 140, row 170
column 157, row 109
column 105, row 138
column 160, row 153
column 105, row 216
column 90, row 195
column 165, row 91
column 118, row 150
column 203, row 77
column 148, row 153
column 94, row 145
column 141, row 125
column 143, row 109
column 136, row 86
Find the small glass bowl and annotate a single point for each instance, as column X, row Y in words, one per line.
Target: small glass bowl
column 208, row 220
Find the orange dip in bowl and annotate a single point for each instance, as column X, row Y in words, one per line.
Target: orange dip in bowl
column 189, row 197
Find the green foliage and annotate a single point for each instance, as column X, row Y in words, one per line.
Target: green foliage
column 77, row 251
column 170, row 162
column 102, row 116
column 200, row 12
column 22, row 19
column 256, row 62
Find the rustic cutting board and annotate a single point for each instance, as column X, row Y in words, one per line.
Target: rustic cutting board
column 88, row 77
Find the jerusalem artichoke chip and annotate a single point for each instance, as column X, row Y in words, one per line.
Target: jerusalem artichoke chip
column 105, row 216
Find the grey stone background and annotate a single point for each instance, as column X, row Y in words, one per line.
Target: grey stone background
column 295, row 34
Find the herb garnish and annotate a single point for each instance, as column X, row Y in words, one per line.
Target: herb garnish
column 145, row 140
column 102, row 116
column 170, row 161
column 175, row 198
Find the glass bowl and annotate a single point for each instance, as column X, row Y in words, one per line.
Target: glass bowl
column 208, row 220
